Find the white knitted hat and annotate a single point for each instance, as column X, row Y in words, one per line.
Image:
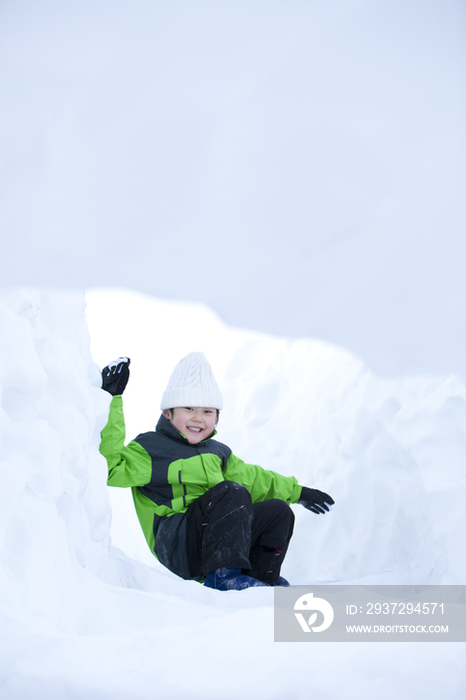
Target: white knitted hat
column 192, row 383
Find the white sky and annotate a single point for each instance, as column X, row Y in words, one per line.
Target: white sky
column 298, row 166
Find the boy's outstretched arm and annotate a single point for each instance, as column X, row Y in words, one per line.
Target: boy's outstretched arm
column 130, row 465
column 315, row 500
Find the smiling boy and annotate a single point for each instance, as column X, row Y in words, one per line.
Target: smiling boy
column 205, row 513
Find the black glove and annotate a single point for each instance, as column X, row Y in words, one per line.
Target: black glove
column 315, row 500
column 115, row 376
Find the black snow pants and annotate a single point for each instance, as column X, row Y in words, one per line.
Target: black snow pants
column 225, row 529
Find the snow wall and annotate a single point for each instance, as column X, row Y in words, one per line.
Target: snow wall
column 81, row 619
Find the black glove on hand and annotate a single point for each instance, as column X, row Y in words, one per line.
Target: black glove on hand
column 115, row 376
column 315, row 500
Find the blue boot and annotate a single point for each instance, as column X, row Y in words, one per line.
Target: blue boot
column 225, row 579
column 281, row 582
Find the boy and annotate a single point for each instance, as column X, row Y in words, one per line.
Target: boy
column 206, row 515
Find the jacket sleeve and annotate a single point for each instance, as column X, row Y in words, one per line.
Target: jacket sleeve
column 127, row 466
column 261, row 483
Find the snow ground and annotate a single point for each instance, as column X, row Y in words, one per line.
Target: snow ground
column 87, row 611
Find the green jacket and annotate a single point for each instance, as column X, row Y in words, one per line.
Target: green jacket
column 166, row 474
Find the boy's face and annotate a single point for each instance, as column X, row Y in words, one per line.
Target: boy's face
column 196, row 424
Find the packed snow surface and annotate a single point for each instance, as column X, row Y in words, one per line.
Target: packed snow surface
column 87, row 612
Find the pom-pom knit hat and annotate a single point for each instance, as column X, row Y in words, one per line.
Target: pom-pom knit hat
column 192, row 383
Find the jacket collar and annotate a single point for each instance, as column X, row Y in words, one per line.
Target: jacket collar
column 166, row 428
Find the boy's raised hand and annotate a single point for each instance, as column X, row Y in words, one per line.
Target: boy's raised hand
column 316, row 501
column 115, row 376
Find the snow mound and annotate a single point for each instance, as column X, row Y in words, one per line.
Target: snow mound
column 80, row 618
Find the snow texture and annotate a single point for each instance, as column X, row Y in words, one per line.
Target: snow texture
column 86, row 616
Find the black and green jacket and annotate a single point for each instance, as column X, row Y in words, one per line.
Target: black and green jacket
column 166, row 474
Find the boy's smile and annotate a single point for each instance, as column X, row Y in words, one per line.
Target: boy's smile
column 195, row 423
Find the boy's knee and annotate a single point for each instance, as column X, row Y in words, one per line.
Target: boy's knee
column 234, row 486
column 232, row 491
column 237, row 491
column 280, row 511
column 281, row 506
